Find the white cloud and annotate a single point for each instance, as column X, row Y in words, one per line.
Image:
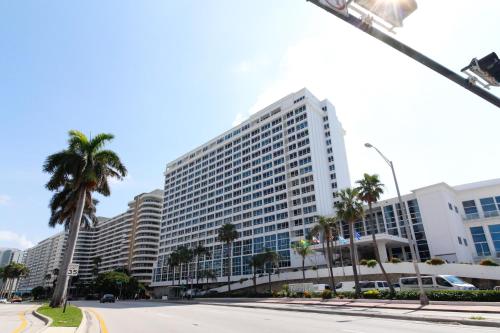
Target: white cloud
column 15, row 240
column 251, row 66
column 240, row 117
column 383, row 97
column 127, row 180
column 4, row 199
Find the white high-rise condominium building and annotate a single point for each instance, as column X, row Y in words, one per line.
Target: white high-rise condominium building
column 129, row 240
column 268, row 176
column 41, row 261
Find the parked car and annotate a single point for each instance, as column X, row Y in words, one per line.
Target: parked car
column 4, row 300
column 107, row 298
column 436, row 282
column 16, row 299
column 497, row 288
column 363, row 285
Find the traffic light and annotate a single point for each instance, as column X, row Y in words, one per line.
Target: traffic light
column 490, row 65
column 487, row 68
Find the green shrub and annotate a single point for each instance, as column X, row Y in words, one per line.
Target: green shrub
column 363, row 262
column 395, row 260
column 346, row 294
column 371, row 263
column 374, row 293
column 465, row 295
column 326, row 294
column 407, row 295
column 435, row 261
column 488, row 262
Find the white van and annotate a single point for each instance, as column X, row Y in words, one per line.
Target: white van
column 320, row 287
column 436, row 282
column 363, row 285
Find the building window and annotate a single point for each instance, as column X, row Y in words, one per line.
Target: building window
column 489, row 207
column 470, row 209
column 495, row 235
column 450, row 206
column 482, row 248
column 459, row 240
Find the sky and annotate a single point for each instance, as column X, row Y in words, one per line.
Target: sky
column 166, row 76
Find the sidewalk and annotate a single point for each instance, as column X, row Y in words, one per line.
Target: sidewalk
column 472, row 307
column 442, row 313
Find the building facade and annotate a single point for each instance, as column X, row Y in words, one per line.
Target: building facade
column 130, row 240
column 127, row 241
column 269, row 177
column 460, row 224
column 8, row 256
column 42, row 260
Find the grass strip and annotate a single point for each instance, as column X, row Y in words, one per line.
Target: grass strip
column 71, row 318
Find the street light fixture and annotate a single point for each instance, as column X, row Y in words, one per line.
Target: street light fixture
column 391, row 14
column 424, row 300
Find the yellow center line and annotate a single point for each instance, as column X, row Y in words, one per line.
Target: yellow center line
column 102, row 324
column 23, row 325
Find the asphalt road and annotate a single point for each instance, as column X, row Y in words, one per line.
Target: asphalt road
column 17, row 318
column 133, row 317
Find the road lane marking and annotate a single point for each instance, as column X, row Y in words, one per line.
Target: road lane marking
column 23, row 325
column 102, row 324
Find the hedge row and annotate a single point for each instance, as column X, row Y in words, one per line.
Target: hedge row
column 439, row 295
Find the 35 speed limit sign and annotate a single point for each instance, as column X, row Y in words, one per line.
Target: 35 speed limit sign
column 73, row 269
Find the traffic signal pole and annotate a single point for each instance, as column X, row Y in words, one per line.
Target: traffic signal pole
column 414, row 54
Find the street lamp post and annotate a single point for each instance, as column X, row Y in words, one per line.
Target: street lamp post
column 424, row 300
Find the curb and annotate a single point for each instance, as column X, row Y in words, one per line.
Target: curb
column 357, row 304
column 468, row 322
column 45, row 319
column 83, row 323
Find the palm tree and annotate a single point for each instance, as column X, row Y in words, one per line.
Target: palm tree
column 199, row 251
column 370, row 189
column 227, row 235
column 303, row 249
column 76, row 172
column 55, row 273
column 350, row 209
column 185, row 256
column 174, row 261
column 271, row 258
column 326, row 230
column 11, row 273
column 256, row 262
column 208, row 274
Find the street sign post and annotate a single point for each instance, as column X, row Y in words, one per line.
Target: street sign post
column 73, row 269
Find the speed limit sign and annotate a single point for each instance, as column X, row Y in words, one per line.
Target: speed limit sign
column 73, row 269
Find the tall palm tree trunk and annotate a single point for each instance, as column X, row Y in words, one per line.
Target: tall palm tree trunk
column 353, row 259
column 377, row 253
column 197, row 270
column 254, row 282
column 228, row 267
column 180, row 274
column 62, row 284
column 270, row 284
column 330, row 264
column 303, row 269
